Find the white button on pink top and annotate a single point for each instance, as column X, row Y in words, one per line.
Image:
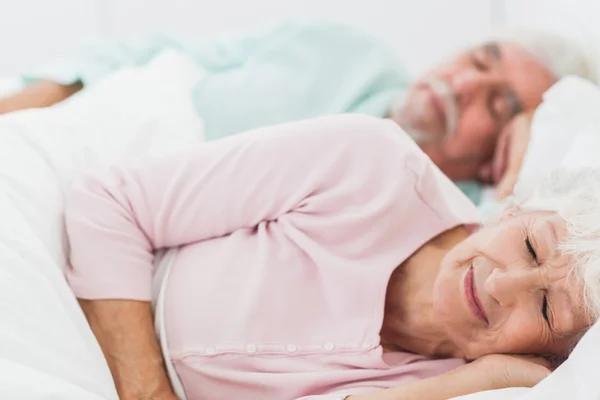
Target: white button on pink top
column 251, row 348
column 291, row 348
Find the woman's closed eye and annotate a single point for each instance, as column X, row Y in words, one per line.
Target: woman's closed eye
column 545, row 308
column 533, row 254
column 530, row 249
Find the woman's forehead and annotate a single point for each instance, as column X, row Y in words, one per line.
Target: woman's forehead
column 546, row 224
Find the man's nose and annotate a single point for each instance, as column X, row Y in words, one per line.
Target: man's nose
column 507, row 285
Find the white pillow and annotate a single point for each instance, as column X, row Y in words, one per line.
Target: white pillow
column 43, row 333
column 570, row 108
column 585, row 149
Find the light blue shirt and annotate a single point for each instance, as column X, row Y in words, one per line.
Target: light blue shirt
column 298, row 70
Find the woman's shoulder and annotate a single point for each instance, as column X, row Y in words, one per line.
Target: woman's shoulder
column 368, row 136
column 359, row 147
column 396, row 157
column 442, row 196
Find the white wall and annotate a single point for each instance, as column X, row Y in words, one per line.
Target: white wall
column 31, row 31
column 578, row 19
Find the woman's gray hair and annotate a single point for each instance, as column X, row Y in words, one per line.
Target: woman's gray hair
column 561, row 55
column 574, row 194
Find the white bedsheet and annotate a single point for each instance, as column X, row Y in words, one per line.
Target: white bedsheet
column 47, row 350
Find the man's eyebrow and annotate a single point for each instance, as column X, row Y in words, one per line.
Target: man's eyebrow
column 493, row 49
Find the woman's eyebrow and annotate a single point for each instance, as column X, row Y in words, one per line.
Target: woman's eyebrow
column 552, row 236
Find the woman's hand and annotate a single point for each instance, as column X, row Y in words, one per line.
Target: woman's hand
column 487, row 373
column 505, row 371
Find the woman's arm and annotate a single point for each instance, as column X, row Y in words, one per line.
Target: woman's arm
column 39, row 94
column 455, row 383
column 487, row 373
column 125, row 332
column 301, row 175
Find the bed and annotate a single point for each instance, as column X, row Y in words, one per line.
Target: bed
column 44, row 338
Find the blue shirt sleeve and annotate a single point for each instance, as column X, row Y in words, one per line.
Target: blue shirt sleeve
column 307, row 70
column 296, row 70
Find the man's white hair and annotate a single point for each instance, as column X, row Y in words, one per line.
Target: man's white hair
column 574, row 195
column 561, row 55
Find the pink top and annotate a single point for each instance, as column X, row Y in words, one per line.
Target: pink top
column 287, row 238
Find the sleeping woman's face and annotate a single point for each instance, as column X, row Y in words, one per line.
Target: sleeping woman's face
column 507, row 289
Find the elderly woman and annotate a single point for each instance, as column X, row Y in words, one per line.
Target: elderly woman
column 325, row 259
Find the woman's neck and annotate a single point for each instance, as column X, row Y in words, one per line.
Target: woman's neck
column 410, row 323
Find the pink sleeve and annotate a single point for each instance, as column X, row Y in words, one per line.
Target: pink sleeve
column 307, row 172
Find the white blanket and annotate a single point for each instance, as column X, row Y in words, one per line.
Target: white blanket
column 47, row 350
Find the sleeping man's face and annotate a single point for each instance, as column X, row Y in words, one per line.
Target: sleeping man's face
column 457, row 110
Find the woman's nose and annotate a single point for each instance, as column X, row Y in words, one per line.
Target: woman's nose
column 507, row 285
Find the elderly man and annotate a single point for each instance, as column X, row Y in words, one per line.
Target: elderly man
column 470, row 114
